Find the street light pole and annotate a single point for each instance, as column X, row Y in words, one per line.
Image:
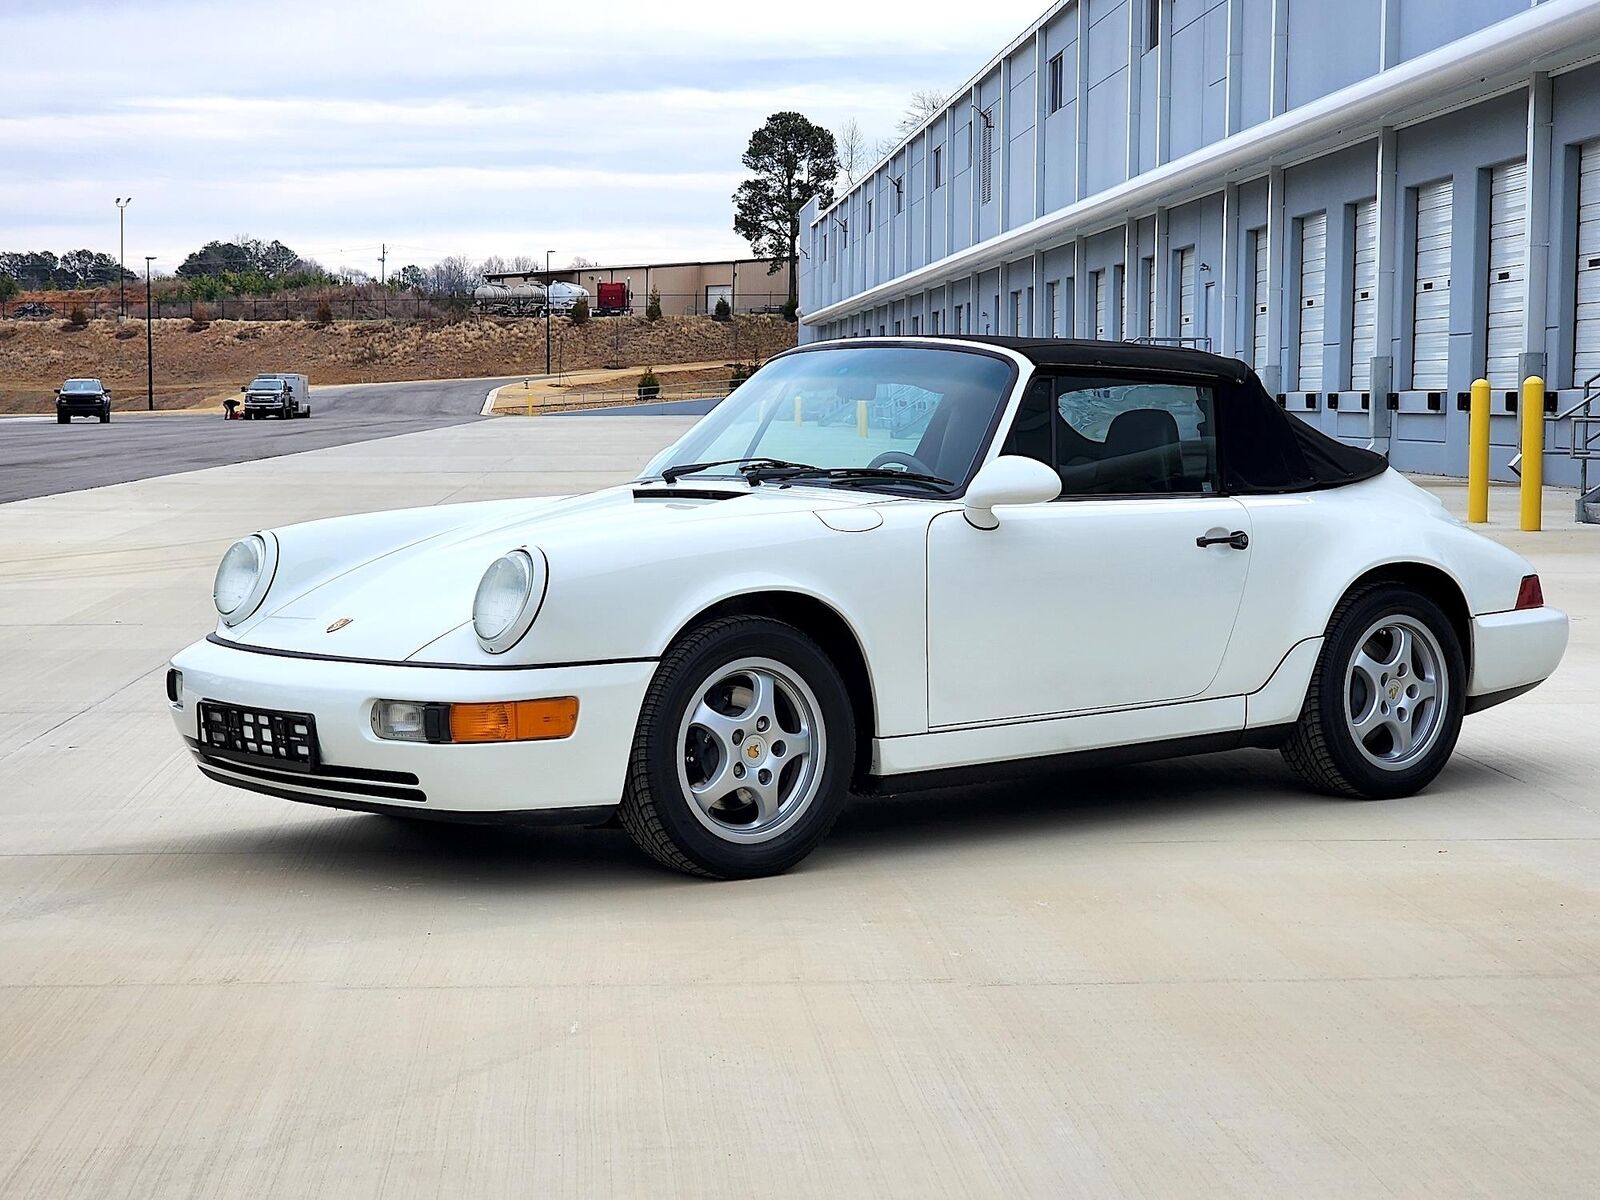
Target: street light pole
column 149, row 342
column 122, row 248
column 548, row 303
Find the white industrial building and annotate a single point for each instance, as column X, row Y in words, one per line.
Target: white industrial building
column 1373, row 202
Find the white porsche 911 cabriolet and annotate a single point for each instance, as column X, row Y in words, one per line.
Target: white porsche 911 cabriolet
column 878, row 564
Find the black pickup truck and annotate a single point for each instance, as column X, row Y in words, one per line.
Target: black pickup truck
column 82, row 398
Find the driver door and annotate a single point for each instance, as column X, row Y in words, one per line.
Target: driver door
column 1101, row 599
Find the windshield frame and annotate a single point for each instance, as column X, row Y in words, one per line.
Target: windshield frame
column 266, row 383
column 84, row 387
column 1009, row 393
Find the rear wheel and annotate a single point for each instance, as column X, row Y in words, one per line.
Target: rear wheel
column 743, row 753
column 1385, row 704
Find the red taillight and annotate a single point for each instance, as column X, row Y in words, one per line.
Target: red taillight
column 1530, row 594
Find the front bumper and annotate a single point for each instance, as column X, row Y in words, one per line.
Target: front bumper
column 361, row 770
column 81, row 408
column 1513, row 651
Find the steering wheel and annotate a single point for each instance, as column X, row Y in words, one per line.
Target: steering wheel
column 896, row 458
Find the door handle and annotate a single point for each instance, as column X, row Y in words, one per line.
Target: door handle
column 1238, row 539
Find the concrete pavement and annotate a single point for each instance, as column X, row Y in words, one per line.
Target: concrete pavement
column 1189, row 978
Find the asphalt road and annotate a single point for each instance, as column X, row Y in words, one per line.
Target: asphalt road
column 41, row 458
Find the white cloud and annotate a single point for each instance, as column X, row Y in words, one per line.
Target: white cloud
column 612, row 131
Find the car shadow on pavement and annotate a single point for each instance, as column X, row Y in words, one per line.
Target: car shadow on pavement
column 1152, row 801
column 1156, row 800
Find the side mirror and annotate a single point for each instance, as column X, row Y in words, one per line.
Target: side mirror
column 244, row 387
column 1009, row 479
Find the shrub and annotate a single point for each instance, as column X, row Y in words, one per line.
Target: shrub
column 649, row 385
column 199, row 315
column 652, row 310
column 77, row 318
column 739, row 373
column 722, row 311
column 580, row 311
column 791, row 311
column 324, row 313
column 456, row 309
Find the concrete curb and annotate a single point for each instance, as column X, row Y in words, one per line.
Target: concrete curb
column 488, row 401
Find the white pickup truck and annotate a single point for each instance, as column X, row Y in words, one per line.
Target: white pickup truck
column 278, row 395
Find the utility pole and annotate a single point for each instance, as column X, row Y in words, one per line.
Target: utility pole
column 548, row 303
column 383, row 259
column 122, row 246
column 149, row 341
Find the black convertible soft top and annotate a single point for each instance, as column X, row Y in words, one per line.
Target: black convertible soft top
column 1262, row 448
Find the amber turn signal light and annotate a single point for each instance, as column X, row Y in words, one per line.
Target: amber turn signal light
column 514, row 720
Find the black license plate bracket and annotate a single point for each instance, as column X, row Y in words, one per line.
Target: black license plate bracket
column 286, row 741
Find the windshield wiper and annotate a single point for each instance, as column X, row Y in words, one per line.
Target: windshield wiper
column 844, row 475
column 746, row 467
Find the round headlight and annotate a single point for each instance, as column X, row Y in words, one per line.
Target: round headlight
column 508, row 599
column 239, row 578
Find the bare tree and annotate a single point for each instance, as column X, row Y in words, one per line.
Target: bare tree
column 452, row 276
column 523, row 263
column 852, row 149
column 921, row 106
column 493, row 265
column 579, row 262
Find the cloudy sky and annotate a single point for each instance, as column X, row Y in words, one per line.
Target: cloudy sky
column 610, row 130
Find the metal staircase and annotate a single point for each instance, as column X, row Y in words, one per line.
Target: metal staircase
column 1583, row 446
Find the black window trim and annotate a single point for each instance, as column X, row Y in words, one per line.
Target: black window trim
column 1216, row 383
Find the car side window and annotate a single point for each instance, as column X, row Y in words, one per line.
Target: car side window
column 1109, row 436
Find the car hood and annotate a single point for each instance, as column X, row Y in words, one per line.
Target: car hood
column 398, row 592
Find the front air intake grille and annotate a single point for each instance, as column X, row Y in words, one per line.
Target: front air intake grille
column 325, row 782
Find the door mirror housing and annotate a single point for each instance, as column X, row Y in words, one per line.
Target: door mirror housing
column 1008, row 479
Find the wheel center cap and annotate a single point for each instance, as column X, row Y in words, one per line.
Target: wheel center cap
column 1394, row 691
column 754, row 749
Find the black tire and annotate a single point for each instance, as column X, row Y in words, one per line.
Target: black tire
column 105, row 417
column 1324, row 749
column 657, row 813
column 63, row 419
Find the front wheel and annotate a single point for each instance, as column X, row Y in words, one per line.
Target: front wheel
column 105, row 416
column 743, row 753
column 1385, row 704
column 63, row 419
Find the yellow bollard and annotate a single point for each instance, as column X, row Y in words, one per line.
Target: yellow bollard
column 1478, row 453
column 861, row 417
column 1532, row 414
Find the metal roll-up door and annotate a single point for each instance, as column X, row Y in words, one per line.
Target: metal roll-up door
column 1508, row 257
column 1586, row 340
column 1258, row 302
column 1150, row 297
column 1364, row 296
column 1313, row 283
column 1098, row 280
column 1186, row 325
column 1430, row 321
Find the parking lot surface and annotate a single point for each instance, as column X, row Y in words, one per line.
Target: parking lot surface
column 40, row 458
column 1184, row 979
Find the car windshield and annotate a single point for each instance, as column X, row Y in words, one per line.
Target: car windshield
column 265, row 383
column 920, row 409
column 81, row 385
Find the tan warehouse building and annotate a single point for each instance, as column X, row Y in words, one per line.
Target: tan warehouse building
column 687, row 288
